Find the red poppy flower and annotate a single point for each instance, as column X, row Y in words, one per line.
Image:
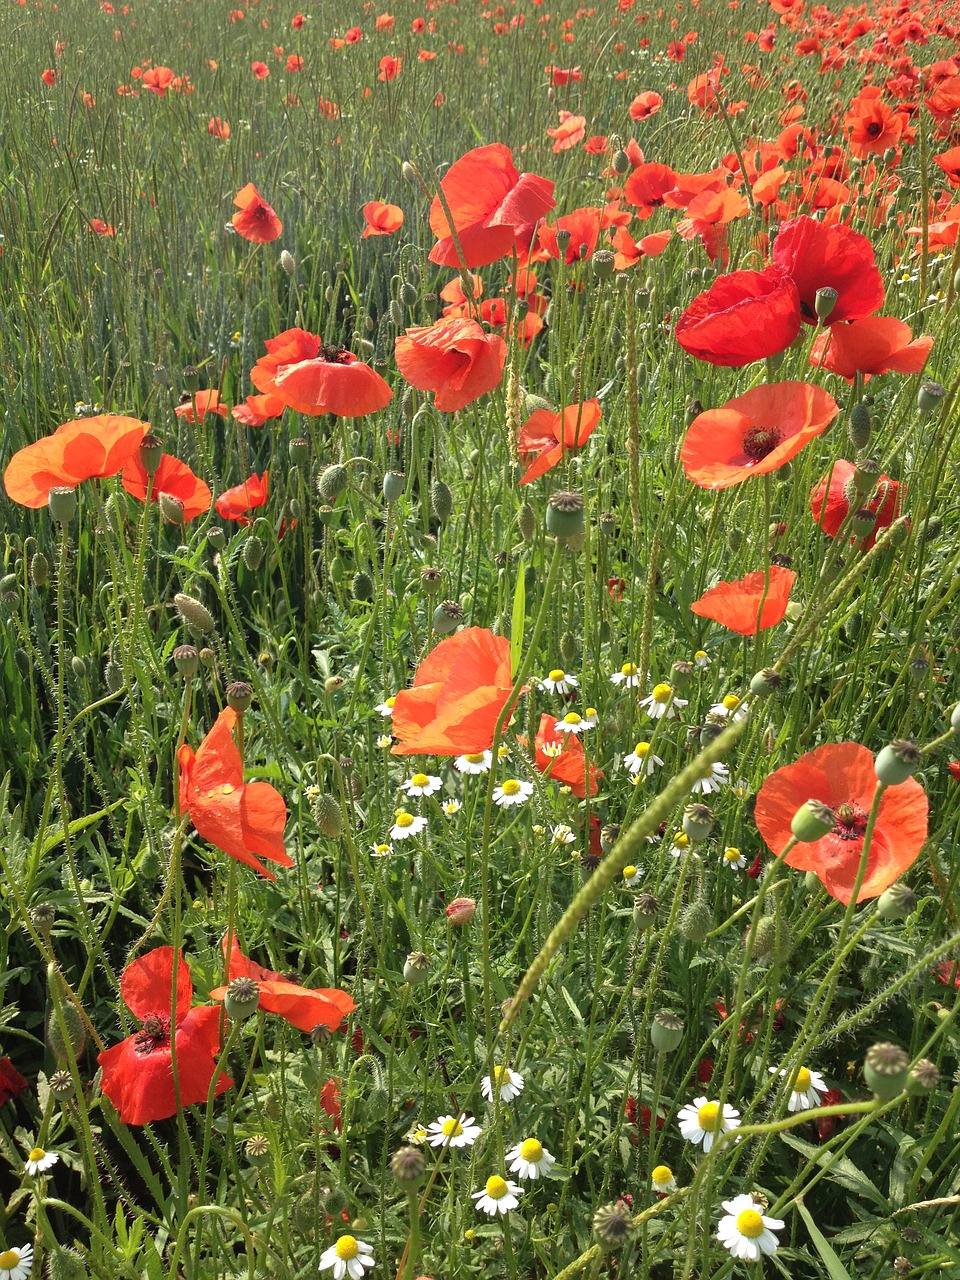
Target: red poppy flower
column 389, row 67
column 256, row 410
column 560, row 756
column 138, row 1072
column 628, row 252
column 303, row 1007
column 458, row 692
column 571, row 130
column 647, row 186
column 871, row 127
column 583, row 226
column 644, row 105
column 754, row 433
column 314, row 377
column 562, row 76
column 158, row 80
column 876, row 344
column 353, row 35
column 492, row 205
column 817, row 256
column 83, row 449
column 171, row 477
column 382, row 219
column 49, row 77
column 842, row 776
column 736, row 605
column 743, row 316
column 260, row 70
column 454, row 358
column 547, row 436
column 218, row 128
column 206, row 402
column 12, row 1083
column 330, row 1101
column 101, row 228
column 245, row 820
column 954, row 767
column 949, row 162
column 884, row 502
column 255, row 220
column 947, row 972
column 233, row 504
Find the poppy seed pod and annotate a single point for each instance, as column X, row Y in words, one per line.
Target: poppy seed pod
column 766, row 682
column 394, row 483
column 151, row 452
column 565, row 519
column 666, row 1031
column 645, row 908
column 447, row 617
column 930, row 396
column 409, row 1167
column 813, row 821
column 924, row 1077
column 602, row 263
column 863, row 523
column 698, row 822
column 612, row 1226
column 299, row 450
column 62, row 502
column 216, row 537
column 191, row 378
column 194, row 613
column 824, row 301
column 416, row 968
column 886, row 1069
column 897, row 902
column 186, row 660
column 242, row 999
column 898, row 761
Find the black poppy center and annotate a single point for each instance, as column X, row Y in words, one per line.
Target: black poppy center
column 759, row 441
column 154, row 1034
column 873, row 129
column 333, row 353
column 851, row 821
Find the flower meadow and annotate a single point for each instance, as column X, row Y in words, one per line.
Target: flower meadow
column 480, row 734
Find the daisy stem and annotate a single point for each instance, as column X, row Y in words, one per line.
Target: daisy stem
column 509, row 1256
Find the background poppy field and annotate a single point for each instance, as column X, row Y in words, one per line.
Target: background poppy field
column 472, row 473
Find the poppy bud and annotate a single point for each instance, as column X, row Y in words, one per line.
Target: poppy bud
column 897, row 762
column 416, row 968
column 62, row 502
column 394, row 483
column 332, row 482
column 288, row 262
column 362, row 587
column 824, row 301
column 40, row 570
column 698, row 822
column 695, row 922
column 253, row 550
column 886, row 1070
column 409, row 1167
column 242, row 999
column 645, row 908
column 930, row 396
column 461, row 911
column 186, row 660
column 441, row 500
column 612, row 1226
column 859, row 426
column 763, row 941
column 408, row 294
column 897, row 902
column 527, row 522
column 151, row 451
column 191, row 378
column 621, row 162
column 813, row 821
column 194, row 613
column 327, row 815
column 666, row 1031
column 171, row 509
column 447, row 617
column 565, row 518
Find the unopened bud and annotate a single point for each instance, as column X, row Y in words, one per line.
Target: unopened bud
column 194, row 613
column 461, row 911
column 288, row 262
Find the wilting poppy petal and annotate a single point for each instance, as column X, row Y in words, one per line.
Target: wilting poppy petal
column 736, row 605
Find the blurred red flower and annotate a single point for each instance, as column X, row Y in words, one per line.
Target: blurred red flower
column 452, row 357
column 547, row 436
column 389, row 67
column 233, row 504
column 571, row 130
column 876, row 344
column 884, row 501
column 218, row 128
column 303, row 1007
column 102, row 228
column 83, row 449
column 737, row 605
column 12, row 1083
column 158, row 80
column 645, row 105
column 382, row 219
column 49, row 77
column 817, row 255
column 742, row 317
column 255, row 220
column 260, row 70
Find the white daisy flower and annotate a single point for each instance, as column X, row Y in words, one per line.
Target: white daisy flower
column 641, row 761
column 384, row 741
column 741, row 788
column 590, row 717
column 701, row 1121
column 529, row 1159
column 510, row 1084
column 503, row 750
column 498, row 1196
column 417, row 1136
column 381, row 850
column 729, row 706
column 386, row 708
column 714, row 777
column 513, row 791
column 745, row 1231
column 348, row 1257
column 679, row 843
column 422, row 784
column 572, row 722
column 807, row 1088
column 631, row 876
column 662, row 1180
column 558, row 681
column 736, row 861
column 453, row 1131
column 451, row 808
column 39, row 1161
column 552, row 749
column 662, row 702
column 562, row 834
column 16, row 1264
column 406, row 825
column 702, row 658
column 475, row 762
column 628, row 676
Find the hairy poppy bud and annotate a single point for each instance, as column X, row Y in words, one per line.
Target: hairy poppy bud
column 441, row 500
column 461, row 911
column 327, row 815
column 527, row 522
column 40, row 570
column 859, row 427
column 361, row 587
column 194, row 613
column 695, row 922
column 288, row 262
column 332, row 482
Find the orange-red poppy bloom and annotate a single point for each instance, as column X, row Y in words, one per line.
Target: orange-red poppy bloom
column 83, row 449
column 101, row 228
column 842, row 776
column 260, row 70
column 546, row 436
column 949, row 162
column 743, row 316
column 255, row 219
column 644, row 105
column 737, row 605
column 560, row 756
column 884, row 502
column 138, row 1072
column 871, row 127
column 389, row 67
column 817, row 255
column 571, row 130
column 302, row 1007
column 233, row 504
column 206, row 402
column 647, row 186
column 459, row 691
column 218, row 128
column 49, row 77
column 315, row 377
column 171, row 477
column 583, row 226
column 876, row 344
column 454, row 358
column 256, row 410
column 245, row 820
column 754, row 433
column 382, row 219
column 158, row 80
column 628, row 252
column 493, row 208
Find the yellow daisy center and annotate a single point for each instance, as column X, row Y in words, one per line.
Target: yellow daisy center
column 500, row 1075
column 681, row 840
column 404, row 819
column 347, row 1248
column 383, row 848
column 531, row 1150
column 9, row 1259
column 662, row 1175
column 642, row 750
column 708, row 1117
column 629, row 871
column 556, row 674
column 511, row 787
column 452, row 1128
column 496, row 1187
column 628, row 669
column 37, row 1153
column 390, row 702
column 801, row 1081
column 571, row 718
column 474, row 758
column 419, row 780
column 731, row 855
column 662, row 693
column 750, row 1224
column 591, row 712
column 731, row 702
column 701, row 653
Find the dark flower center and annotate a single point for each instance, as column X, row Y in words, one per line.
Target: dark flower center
column 333, row 353
column 851, row 821
column 873, row 129
column 759, row 441
column 154, row 1034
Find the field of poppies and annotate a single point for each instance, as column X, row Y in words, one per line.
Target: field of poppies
column 479, row 723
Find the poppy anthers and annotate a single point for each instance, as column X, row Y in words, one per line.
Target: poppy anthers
column 255, row 219
column 842, row 776
column 303, row 1007
column 737, row 605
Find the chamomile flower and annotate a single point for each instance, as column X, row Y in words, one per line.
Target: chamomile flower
column 529, row 1159
column 386, row 708
column 662, row 1180
column 741, row 788
column 16, row 1264
column 422, row 784
column 628, row 676
column 348, row 1257
column 558, row 681
column 39, row 1161
column 451, row 808
column 745, row 1231
column 735, row 861
column 510, row 1084
column 572, row 722
column 701, row 1121
column 406, row 825
column 807, row 1088
column 702, row 658
column 631, row 876
column 417, row 1136
column 497, row 1196
column 729, row 706
column 453, row 1131
column 382, row 850
column 679, row 843
column 503, row 750
column 475, row 762
column 590, row 717
column 713, row 777
column 384, row 741
column 562, row 834
column 661, row 702
column 513, row 791
column 641, row 760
